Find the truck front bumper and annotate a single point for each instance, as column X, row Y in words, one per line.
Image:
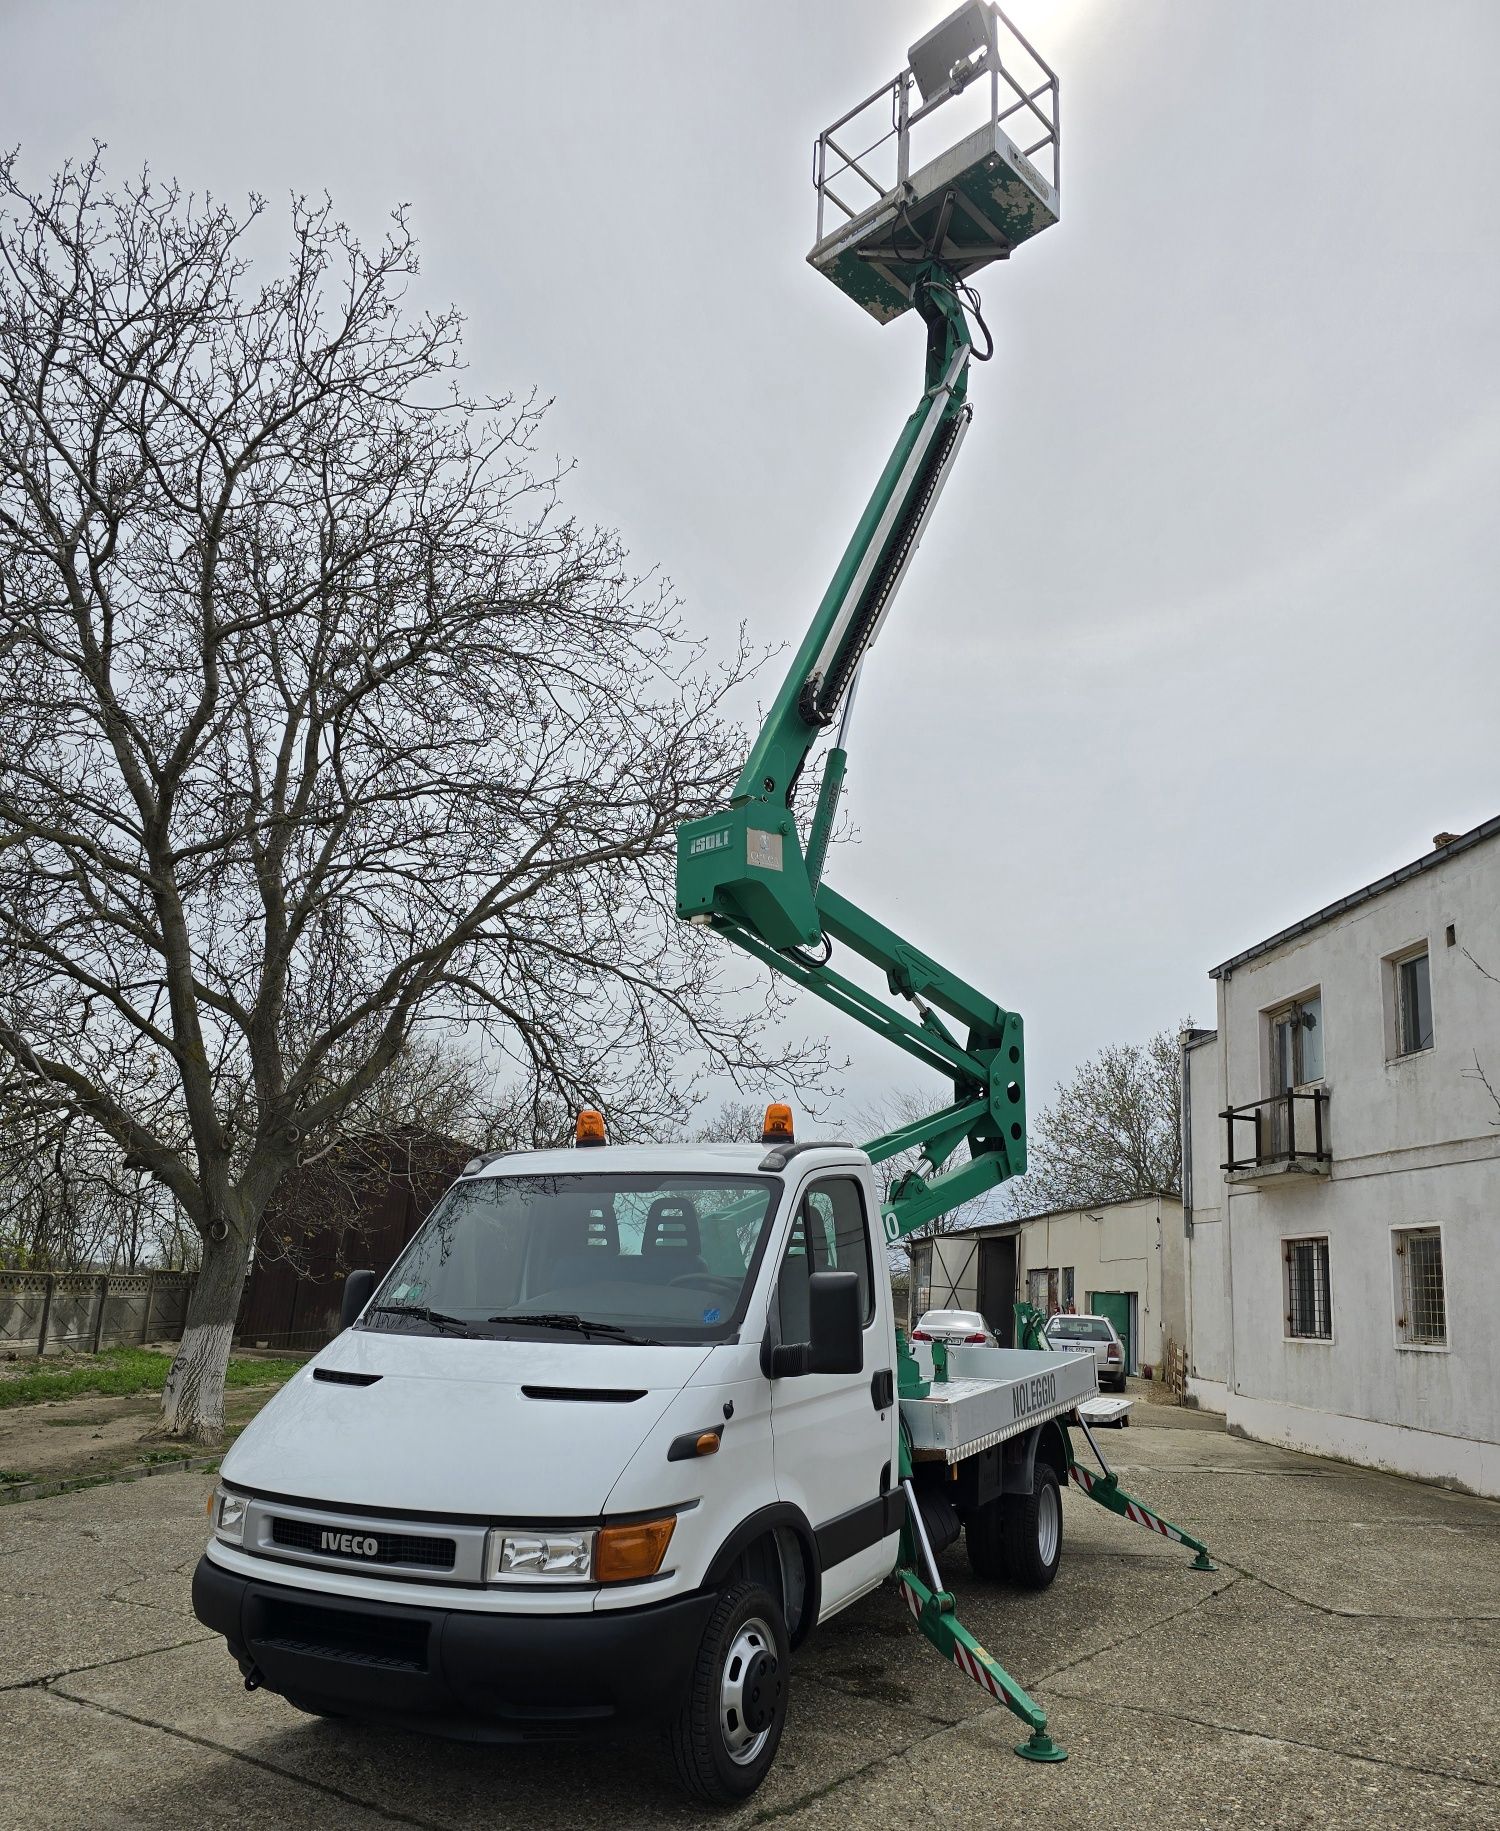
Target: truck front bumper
column 452, row 1672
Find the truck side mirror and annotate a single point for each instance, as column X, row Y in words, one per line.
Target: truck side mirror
column 357, row 1289
column 836, row 1336
column 835, row 1325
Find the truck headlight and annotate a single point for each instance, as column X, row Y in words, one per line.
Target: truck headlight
column 604, row 1554
column 516, row 1556
column 229, row 1516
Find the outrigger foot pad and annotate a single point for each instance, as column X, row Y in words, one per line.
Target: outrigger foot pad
column 1040, row 1747
column 1203, row 1562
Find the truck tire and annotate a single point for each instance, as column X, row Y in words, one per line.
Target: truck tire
column 984, row 1535
column 1031, row 1530
column 724, row 1738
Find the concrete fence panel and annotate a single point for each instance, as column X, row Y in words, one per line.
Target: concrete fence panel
column 81, row 1312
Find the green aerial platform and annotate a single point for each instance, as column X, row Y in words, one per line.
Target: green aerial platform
column 748, row 872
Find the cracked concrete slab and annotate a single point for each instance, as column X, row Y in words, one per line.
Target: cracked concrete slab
column 1184, row 1698
column 41, row 1636
column 1250, row 1659
column 1127, row 1768
column 832, row 1736
column 114, row 1775
column 1412, row 1571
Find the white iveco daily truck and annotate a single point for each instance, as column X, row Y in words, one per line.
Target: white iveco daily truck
column 617, row 1431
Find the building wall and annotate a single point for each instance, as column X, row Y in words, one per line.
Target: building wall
column 1414, row 1143
column 1207, row 1304
column 1113, row 1248
column 1134, row 1247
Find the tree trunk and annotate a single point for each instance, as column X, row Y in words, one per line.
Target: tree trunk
column 192, row 1403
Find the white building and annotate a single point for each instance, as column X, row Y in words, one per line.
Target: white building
column 1123, row 1260
column 1342, row 1176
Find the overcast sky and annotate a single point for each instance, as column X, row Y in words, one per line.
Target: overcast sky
column 1204, row 632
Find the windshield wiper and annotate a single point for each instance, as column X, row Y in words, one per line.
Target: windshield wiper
column 435, row 1317
column 581, row 1325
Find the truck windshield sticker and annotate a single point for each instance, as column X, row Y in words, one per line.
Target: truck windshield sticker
column 711, row 1315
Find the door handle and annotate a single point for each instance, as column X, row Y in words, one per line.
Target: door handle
column 883, row 1389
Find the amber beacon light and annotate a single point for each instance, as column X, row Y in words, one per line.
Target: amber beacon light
column 590, row 1128
column 778, row 1126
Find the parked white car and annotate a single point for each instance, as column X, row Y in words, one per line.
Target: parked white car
column 1090, row 1335
column 953, row 1327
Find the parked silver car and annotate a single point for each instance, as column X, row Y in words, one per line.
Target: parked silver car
column 1089, row 1335
column 953, row 1327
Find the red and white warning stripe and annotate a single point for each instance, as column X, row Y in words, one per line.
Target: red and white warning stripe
column 1134, row 1511
column 977, row 1670
column 967, row 1663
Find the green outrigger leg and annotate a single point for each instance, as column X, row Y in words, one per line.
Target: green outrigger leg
column 934, row 1614
column 932, row 1608
column 1106, row 1490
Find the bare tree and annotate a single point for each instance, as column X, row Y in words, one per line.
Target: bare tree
column 1111, row 1133
column 734, row 1122
column 317, row 721
column 67, row 1202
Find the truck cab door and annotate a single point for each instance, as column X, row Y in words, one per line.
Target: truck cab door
column 834, row 1434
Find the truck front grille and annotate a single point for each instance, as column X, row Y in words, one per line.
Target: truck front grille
column 404, row 1548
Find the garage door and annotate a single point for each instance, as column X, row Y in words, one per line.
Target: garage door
column 1116, row 1306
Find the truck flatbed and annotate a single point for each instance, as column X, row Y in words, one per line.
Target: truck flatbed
column 992, row 1394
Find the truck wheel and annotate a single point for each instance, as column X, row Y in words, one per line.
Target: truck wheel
column 1031, row 1531
column 984, row 1534
column 725, row 1736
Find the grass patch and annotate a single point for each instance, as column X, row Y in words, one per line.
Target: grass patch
column 10, row 1476
column 119, row 1372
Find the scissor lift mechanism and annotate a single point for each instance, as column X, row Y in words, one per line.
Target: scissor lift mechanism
column 744, row 871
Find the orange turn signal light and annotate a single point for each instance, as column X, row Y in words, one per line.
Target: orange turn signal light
column 778, row 1124
column 708, row 1443
column 590, row 1127
column 623, row 1553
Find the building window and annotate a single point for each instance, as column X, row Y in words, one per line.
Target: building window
column 1413, row 1004
column 1067, row 1286
column 1041, row 1289
column 1309, row 1303
column 1296, row 1043
column 1421, row 1306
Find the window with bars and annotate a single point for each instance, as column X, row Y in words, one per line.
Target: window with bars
column 1309, row 1302
column 1421, row 1303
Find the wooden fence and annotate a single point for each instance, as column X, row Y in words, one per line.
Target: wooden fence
column 82, row 1312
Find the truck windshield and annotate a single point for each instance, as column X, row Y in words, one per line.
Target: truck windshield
column 592, row 1257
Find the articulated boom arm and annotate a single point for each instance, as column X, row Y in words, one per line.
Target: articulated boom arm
column 744, row 872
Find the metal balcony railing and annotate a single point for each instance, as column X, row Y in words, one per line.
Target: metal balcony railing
column 1285, row 1130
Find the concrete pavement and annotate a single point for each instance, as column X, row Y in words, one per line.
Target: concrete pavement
column 1341, row 1668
